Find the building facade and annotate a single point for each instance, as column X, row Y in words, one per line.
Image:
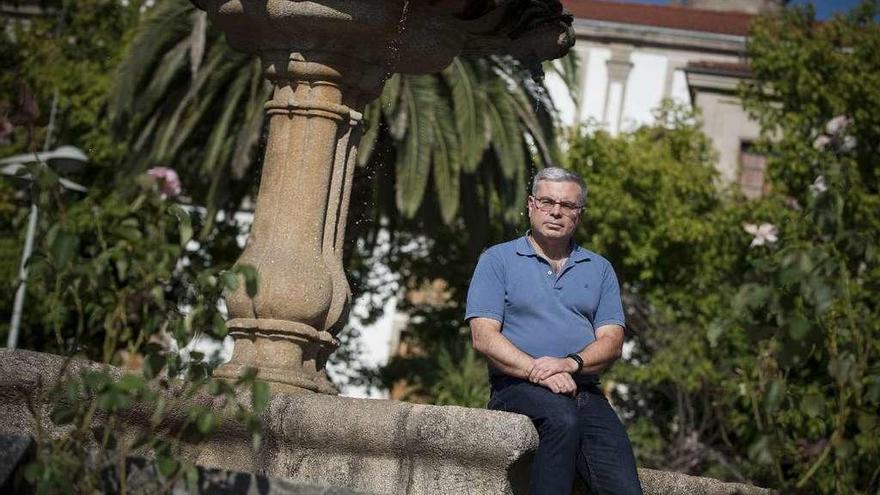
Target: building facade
column 633, row 56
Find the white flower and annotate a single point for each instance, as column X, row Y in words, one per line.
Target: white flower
column 168, row 181
column 766, row 233
column 821, row 142
column 837, row 124
column 818, row 186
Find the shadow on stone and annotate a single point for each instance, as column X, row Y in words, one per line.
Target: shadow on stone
column 15, row 452
column 142, row 478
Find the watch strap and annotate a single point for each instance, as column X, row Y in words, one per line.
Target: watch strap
column 578, row 359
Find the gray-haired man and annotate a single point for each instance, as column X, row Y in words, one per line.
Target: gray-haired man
column 547, row 315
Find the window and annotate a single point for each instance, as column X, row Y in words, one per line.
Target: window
column 752, row 167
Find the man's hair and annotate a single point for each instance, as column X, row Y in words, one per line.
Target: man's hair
column 559, row 174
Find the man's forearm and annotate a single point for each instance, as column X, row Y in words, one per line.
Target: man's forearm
column 503, row 355
column 602, row 352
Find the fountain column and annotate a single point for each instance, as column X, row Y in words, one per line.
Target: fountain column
column 287, row 330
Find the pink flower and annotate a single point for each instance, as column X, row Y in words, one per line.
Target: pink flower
column 167, row 180
column 821, row 142
column 837, row 124
column 766, row 233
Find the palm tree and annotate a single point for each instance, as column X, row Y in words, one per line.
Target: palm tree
column 473, row 133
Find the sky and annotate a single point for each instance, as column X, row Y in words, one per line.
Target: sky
column 824, row 8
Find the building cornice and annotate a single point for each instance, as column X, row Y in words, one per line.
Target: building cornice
column 659, row 37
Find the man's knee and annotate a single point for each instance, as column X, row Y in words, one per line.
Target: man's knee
column 562, row 423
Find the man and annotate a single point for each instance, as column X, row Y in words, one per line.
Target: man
column 547, row 315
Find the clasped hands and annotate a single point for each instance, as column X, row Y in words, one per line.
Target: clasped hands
column 554, row 374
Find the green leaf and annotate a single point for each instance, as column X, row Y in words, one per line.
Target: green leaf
column 506, row 134
column 248, row 375
column 63, row 414
column 184, row 221
column 774, row 396
column 191, row 478
column 219, row 387
column 467, row 102
column 95, row 381
column 64, row 246
column 251, row 278
column 167, row 465
column 569, row 70
column 392, row 108
column 813, row 404
column 206, row 422
column 446, row 162
column 372, row 122
column 415, row 156
column 842, row 368
column 799, row 328
column 760, row 450
column 130, row 383
column 220, row 329
column 230, row 280
column 259, row 396
column 46, row 177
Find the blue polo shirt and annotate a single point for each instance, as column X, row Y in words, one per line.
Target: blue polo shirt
column 544, row 313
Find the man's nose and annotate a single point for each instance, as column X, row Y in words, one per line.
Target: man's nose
column 556, row 211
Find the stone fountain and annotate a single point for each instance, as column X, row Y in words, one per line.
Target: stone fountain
column 326, row 60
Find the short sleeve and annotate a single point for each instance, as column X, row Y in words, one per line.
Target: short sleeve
column 610, row 308
column 486, row 293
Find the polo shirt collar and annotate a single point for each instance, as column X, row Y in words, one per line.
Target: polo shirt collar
column 579, row 254
column 525, row 248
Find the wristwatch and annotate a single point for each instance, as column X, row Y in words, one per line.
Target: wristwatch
column 578, row 359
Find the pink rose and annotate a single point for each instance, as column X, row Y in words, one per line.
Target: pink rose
column 167, row 180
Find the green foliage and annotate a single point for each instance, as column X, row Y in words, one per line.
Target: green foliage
column 66, row 57
column 462, row 381
column 814, row 298
column 115, row 279
column 90, row 406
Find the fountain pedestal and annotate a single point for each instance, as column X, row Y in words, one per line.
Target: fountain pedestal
column 287, row 330
column 326, row 59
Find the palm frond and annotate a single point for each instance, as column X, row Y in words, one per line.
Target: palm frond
column 568, row 68
column 446, row 161
column 417, row 96
column 506, row 130
column 167, row 22
column 372, row 118
column 249, row 132
column 467, row 102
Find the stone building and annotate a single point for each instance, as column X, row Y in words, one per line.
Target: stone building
column 632, row 56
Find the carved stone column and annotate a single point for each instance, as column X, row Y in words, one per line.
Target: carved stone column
column 287, row 330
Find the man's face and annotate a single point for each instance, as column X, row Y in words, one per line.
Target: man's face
column 555, row 209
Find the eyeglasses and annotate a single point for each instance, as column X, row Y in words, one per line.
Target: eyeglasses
column 546, row 205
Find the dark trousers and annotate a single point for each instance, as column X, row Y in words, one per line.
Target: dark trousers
column 576, row 434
